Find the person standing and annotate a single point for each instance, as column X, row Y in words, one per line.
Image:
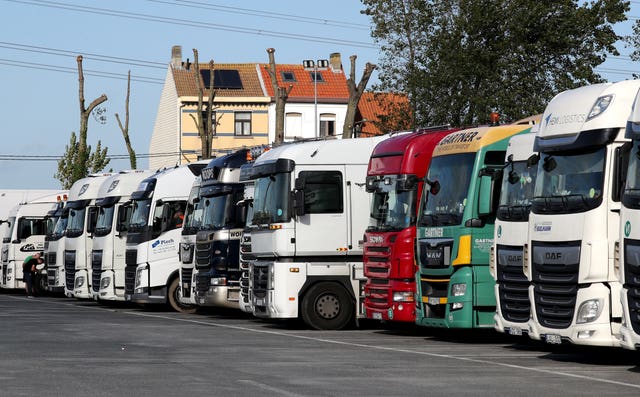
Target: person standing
column 29, row 272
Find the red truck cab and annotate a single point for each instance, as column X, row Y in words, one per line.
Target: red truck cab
column 395, row 177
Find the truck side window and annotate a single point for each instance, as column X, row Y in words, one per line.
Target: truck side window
column 322, row 192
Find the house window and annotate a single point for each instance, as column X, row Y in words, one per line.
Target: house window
column 327, row 124
column 293, row 125
column 242, row 123
column 316, row 76
column 288, row 77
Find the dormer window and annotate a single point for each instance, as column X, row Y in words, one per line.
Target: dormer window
column 288, row 77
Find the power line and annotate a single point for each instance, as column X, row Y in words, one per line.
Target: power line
column 191, row 23
column 95, row 57
column 265, row 14
column 88, row 72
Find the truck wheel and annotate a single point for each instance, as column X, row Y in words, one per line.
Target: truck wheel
column 174, row 299
column 40, row 284
column 327, row 306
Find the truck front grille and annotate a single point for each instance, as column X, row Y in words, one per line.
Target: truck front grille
column 555, row 268
column 632, row 281
column 69, row 269
column 96, row 269
column 513, row 286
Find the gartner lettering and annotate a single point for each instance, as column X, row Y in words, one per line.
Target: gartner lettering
column 462, row 137
column 434, row 232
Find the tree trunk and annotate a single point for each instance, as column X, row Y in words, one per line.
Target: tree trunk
column 355, row 92
column 125, row 128
column 280, row 95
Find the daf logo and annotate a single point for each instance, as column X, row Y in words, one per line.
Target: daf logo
column 376, row 239
column 514, row 258
column 553, row 255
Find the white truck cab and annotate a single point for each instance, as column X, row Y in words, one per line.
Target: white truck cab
column 110, row 234
column 310, row 211
column 26, row 236
column 83, row 214
column 510, row 236
column 152, row 263
column 575, row 215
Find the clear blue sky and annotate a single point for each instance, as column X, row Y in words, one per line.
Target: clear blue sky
column 40, row 39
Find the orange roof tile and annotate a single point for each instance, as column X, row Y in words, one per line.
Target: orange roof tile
column 374, row 106
column 333, row 88
column 186, row 84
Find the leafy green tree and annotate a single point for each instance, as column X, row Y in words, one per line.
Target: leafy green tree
column 459, row 60
column 67, row 165
column 78, row 161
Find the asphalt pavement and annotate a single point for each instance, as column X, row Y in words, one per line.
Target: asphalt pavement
column 54, row 346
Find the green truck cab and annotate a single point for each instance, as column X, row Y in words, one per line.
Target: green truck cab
column 456, row 225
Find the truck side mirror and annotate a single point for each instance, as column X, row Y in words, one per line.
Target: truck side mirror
column 489, row 191
column 299, row 200
column 121, row 224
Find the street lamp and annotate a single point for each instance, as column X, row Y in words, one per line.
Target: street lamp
column 311, row 65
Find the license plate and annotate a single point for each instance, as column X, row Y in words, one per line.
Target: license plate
column 514, row 331
column 553, row 339
column 434, row 301
column 377, row 316
column 259, row 302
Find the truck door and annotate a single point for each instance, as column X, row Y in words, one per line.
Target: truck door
column 322, row 228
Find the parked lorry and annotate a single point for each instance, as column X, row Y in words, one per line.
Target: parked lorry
column 510, row 236
column 217, row 249
column 9, row 198
column 455, row 227
column 245, row 242
column 83, row 213
column 575, row 215
column 187, row 247
column 152, row 271
column 110, row 234
column 306, row 231
column 25, row 237
column 395, row 176
column 627, row 260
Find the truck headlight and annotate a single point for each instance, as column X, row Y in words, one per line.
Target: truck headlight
column 138, row 277
column 589, row 311
column 458, row 289
column 79, row 282
column 219, row 281
column 405, row 296
column 105, row 282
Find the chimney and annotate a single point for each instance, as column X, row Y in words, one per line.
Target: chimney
column 176, row 56
column 336, row 62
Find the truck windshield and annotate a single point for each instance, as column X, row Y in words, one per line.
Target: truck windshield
column 392, row 209
column 271, row 199
column 631, row 195
column 105, row 220
column 218, row 211
column 193, row 214
column 569, row 183
column 517, row 190
column 75, row 225
column 139, row 214
column 61, row 225
column 51, row 224
column 446, row 206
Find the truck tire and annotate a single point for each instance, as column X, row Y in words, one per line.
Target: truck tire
column 40, row 284
column 327, row 306
column 174, row 299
